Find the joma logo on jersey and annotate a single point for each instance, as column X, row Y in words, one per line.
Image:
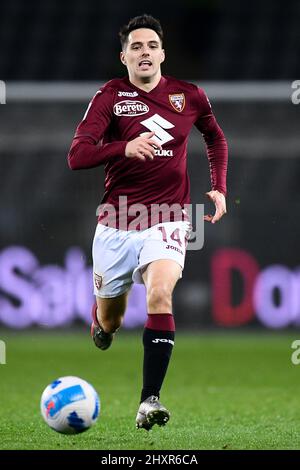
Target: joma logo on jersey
column 128, row 94
column 130, row 108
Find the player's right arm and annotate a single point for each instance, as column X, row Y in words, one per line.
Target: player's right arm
column 142, row 147
column 88, row 150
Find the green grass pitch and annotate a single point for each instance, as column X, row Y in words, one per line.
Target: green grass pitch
column 224, row 391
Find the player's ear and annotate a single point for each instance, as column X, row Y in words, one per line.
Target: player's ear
column 122, row 57
column 162, row 58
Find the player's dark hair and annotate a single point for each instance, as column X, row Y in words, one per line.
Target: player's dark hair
column 142, row 21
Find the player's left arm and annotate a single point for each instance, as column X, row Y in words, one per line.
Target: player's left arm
column 220, row 204
column 217, row 154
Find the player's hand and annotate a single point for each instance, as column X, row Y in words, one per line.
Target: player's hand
column 220, row 203
column 143, row 147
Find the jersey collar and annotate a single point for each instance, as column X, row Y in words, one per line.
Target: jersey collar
column 154, row 91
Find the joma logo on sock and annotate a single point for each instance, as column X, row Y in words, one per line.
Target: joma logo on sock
column 163, row 340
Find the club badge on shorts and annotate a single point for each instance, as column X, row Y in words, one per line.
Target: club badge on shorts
column 98, row 281
column 177, row 101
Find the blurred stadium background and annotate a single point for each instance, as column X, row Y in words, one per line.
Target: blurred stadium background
column 53, row 59
column 54, row 56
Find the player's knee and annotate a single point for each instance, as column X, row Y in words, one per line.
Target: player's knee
column 110, row 325
column 159, row 297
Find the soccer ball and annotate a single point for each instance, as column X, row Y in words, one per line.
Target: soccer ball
column 70, row 405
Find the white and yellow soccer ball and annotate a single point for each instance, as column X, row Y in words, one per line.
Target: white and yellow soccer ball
column 70, row 405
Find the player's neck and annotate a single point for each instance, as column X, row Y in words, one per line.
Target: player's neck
column 145, row 85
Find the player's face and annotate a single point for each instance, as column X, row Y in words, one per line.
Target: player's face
column 143, row 54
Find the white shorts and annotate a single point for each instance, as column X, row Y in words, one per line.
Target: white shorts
column 119, row 256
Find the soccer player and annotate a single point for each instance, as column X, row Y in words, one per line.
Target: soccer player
column 138, row 128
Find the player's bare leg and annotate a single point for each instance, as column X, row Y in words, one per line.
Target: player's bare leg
column 160, row 278
column 107, row 318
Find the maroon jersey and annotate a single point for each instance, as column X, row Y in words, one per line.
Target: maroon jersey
column 120, row 112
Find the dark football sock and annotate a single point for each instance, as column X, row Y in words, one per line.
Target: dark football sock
column 158, row 340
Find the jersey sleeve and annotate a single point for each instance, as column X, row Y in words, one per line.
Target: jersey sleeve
column 87, row 149
column 216, row 144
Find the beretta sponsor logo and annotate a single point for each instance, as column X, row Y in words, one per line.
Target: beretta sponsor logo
column 130, row 108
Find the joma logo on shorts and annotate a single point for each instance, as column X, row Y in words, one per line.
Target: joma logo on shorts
column 170, row 247
column 162, row 340
column 130, row 108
